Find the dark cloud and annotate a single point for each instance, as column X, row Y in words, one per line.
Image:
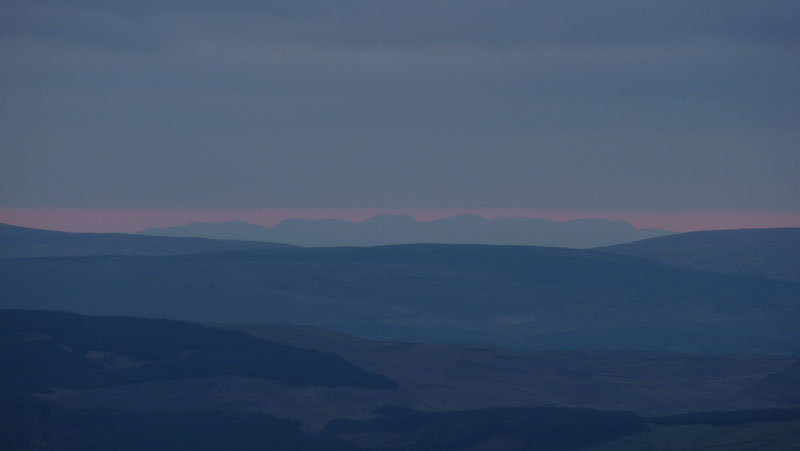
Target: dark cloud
column 621, row 104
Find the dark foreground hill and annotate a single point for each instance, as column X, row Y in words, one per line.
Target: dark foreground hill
column 131, row 383
column 513, row 296
column 460, row 377
column 773, row 253
column 45, row 351
column 22, row 242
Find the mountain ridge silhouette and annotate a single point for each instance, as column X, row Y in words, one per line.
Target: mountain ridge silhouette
column 385, row 229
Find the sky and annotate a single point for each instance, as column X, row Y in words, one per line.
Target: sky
column 672, row 109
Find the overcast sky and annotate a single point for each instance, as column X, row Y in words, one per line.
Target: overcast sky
column 652, row 105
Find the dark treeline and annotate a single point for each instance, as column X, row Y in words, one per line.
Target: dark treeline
column 30, row 423
column 44, row 350
column 540, row 428
column 27, row 423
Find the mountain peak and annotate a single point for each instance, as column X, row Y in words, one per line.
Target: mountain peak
column 464, row 228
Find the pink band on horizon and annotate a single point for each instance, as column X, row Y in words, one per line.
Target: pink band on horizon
column 130, row 220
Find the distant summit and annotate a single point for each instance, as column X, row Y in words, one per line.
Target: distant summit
column 403, row 229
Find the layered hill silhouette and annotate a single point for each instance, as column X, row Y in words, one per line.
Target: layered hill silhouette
column 584, row 331
column 96, row 383
column 22, row 242
column 402, row 229
column 515, row 296
column 772, row 253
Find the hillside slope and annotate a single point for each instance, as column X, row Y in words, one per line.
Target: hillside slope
column 772, row 253
column 23, row 242
column 455, row 377
column 96, row 383
column 522, row 297
column 47, row 351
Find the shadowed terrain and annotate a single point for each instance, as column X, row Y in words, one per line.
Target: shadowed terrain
column 55, row 350
column 772, row 253
column 76, row 382
column 456, row 377
column 511, row 296
column 589, row 371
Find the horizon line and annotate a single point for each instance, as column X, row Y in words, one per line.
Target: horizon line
column 136, row 219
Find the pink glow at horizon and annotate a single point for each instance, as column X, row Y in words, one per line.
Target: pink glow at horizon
column 129, row 220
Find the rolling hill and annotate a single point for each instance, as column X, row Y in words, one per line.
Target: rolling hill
column 23, row 242
column 78, row 382
column 772, row 253
column 513, row 296
column 47, row 351
column 463, row 377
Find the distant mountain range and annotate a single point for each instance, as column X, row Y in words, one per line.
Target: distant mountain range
column 403, row 229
